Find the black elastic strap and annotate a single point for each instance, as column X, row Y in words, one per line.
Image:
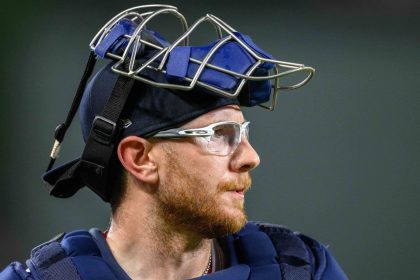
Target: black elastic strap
column 80, row 90
column 61, row 129
column 99, row 149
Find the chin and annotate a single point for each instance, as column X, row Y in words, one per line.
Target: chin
column 227, row 223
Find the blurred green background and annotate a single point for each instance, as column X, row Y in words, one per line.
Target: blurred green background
column 340, row 157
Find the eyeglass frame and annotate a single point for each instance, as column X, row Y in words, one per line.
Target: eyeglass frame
column 205, row 132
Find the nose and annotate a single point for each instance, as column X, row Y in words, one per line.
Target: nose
column 245, row 158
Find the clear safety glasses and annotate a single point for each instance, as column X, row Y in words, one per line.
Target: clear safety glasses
column 221, row 138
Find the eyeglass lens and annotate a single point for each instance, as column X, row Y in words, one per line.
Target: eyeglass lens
column 226, row 138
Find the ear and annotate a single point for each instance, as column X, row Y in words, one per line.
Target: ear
column 134, row 154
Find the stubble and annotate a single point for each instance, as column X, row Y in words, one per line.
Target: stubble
column 185, row 202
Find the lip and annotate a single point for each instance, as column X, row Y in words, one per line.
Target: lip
column 238, row 192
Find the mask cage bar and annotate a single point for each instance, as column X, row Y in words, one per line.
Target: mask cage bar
column 103, row 32
column 221, row 27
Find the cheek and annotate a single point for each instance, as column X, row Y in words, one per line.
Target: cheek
column 209, row 170
column 215, row 168
column 190, row 158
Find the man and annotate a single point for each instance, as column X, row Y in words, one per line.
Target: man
column 167, row 146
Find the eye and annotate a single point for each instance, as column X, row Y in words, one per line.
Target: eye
column 225, row 133
column 219, row 131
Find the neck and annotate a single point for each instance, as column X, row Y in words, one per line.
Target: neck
column 149, row 248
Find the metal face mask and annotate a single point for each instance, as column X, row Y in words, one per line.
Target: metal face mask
column 232, row 65
column 172, row 82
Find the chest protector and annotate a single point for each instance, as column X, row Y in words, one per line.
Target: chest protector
column 257, row 252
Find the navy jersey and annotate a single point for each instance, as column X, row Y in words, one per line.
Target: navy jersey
column 258, row 251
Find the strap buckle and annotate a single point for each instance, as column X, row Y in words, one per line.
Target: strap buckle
column 103, row 130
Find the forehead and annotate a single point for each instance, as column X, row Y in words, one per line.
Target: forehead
column 225, row 113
